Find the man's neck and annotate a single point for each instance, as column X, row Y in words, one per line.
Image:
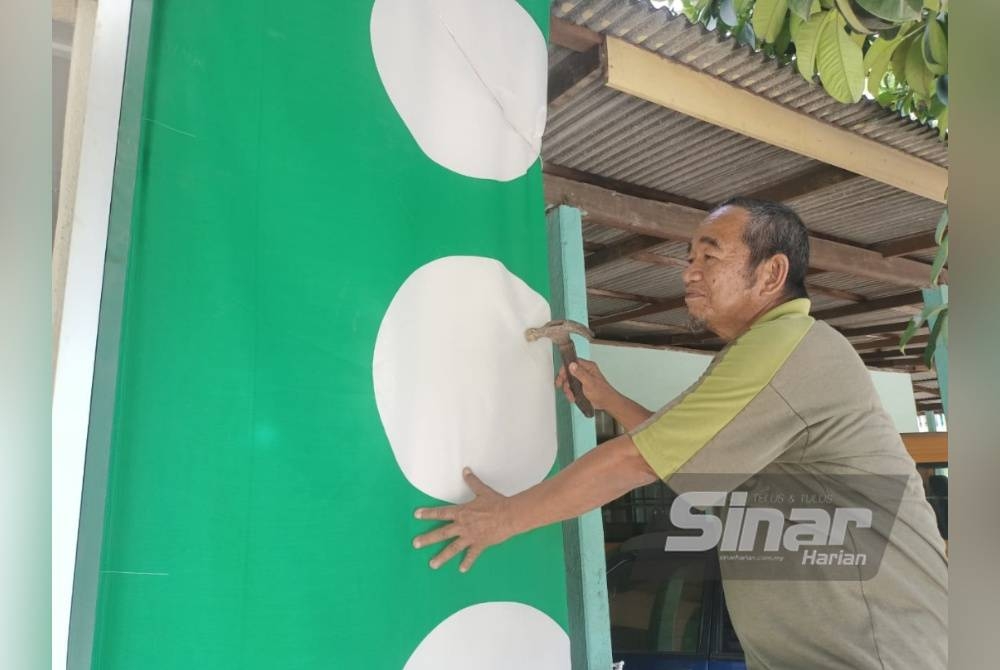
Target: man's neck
column 744, row 326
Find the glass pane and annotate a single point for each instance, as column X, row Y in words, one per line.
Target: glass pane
column 658, row 606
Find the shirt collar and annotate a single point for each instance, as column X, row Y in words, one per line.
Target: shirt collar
column 797, row 306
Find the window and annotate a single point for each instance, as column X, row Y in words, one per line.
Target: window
column 657, row 604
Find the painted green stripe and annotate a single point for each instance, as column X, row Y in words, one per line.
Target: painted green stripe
column 669, row 438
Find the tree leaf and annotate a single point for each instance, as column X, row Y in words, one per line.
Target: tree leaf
column 794, row 22
column 784, row 39
column 942, row 225
column 941, row 88
column 918, row 76
column 727, row 13
column 741, row 5
column 935, row 47
column 746, row 35
column 852, row 19
column 940, row 258
column 876, row 60
column 898, row 59
column 940, row 326
column 768, row 18
column 801, row 8
column 896, row 11
column 839, row 61
column 933, row 5
column 908, row 333
column 806, row 41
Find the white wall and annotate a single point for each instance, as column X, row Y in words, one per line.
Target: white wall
column 653, row 377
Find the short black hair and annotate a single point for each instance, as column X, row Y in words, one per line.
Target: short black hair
column 773, row 229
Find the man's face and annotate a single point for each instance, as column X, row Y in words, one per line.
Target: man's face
column 717, row 291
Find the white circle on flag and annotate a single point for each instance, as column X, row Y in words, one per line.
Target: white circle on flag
column 494, row 636
column 468, row 78
column 457, row 384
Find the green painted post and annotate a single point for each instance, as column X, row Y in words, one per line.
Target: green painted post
column 932, row 298
column 90, row 537
column 583, row 538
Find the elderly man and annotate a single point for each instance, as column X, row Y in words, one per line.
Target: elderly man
column 788, row 394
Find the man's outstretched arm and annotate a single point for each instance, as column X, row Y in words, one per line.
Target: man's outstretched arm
column 603, row 474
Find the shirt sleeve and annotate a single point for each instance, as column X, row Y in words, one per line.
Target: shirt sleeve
column 730, row 420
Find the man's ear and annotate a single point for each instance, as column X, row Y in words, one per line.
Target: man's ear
column 775, row 272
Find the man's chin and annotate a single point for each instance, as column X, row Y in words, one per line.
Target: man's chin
column 696, row 324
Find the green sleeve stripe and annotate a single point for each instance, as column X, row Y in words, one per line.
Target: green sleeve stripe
column 669, row 438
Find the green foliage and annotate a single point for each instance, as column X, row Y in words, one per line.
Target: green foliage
column 839, row 60
column 768, row 18
column 895, row 11
column 938, row 313
column 894, row 51
column 806, row 38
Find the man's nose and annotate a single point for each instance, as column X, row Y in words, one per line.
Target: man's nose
column 691, row 273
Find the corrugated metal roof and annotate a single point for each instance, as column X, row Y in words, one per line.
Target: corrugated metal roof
column 674, row 37
column 615, row 136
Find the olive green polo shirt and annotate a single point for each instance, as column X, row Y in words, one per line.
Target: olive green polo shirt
column 792, row 396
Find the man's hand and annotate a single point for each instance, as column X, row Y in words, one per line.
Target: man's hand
column 475, row 525
column 597, row 389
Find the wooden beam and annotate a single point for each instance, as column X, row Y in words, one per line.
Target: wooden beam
column 891, row 342
column 892, row 354
column 619, row 250
column 843, row 258
column 654, row 328
column 659, row 259
column 613, row 209
column 623, row 187
column 621, row 295
column 573, row 74
column 877, row 329
column 911, row 298
column 927, row 447
column 571, row 36
column 671, row 221
column 910, row 244
column 814, row 179
column 654, row 308
column 648, row 75
column 835, row 293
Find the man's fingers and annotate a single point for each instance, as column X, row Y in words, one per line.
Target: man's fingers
column 569, row 392
column 446, row 513
column 582, row 369
column 436, row 535
column 448, row 553
column 470, row 557
column 474, row 483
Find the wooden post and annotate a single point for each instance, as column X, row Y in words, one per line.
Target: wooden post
column 932, row 298
column 583, row 538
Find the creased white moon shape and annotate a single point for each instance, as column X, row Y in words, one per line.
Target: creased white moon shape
column 494, row 636
column 457, row 384
column 468, row 78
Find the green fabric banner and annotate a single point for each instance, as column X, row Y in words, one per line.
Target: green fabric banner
column 256, row 516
